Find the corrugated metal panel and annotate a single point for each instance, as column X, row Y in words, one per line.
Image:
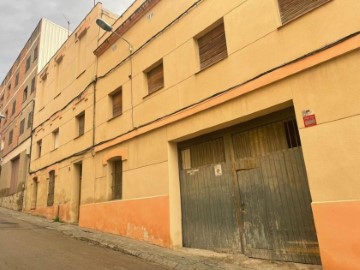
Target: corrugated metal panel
column 51, row 38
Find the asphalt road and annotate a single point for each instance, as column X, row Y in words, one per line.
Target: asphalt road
column 25, row 246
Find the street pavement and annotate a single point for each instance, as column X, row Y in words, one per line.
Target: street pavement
column 31, row 242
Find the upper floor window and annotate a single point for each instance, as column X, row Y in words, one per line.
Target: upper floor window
column 36, row 53
column 11, row 136
column 155, row 78
column 32, row 89
column 28, row 62
column 55, row 134
column 30, row 119
column 212, row 46
column 292, row 9
column 22, row 126
column 116, row 100
column 80, row 118
column 25, row 94
column 17, row 79
column 39, row 147
column 13, row 108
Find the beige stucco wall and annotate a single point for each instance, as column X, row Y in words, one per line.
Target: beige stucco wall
column 145, row 136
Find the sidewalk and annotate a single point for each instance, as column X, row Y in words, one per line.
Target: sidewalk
column 174, row 259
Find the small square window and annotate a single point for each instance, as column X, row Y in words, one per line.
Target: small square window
column 116, row 99
column 292, row 9
column 155, row 78
column 212, row 47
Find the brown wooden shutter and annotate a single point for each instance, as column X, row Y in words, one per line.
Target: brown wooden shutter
column 81, row 123
column 212, row 47
column 156, row 78
column 117, row 103
column 292, row 9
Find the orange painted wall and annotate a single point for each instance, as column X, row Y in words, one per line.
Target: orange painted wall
column 145, row 219
column 51, row 212
column 338, row 225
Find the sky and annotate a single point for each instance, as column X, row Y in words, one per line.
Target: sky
column 19, row 18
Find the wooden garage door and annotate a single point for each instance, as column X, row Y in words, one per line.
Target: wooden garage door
column 245, row 189
column 209, row 220
column 275, row 199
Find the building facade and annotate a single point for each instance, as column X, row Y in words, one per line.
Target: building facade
column 62, row 138
column 16, row 105
column 224, row 126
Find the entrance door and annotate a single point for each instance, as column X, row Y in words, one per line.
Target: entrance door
column 14, row 175
column 275, row 199
column 77, row 190
column 34, row 193
column 209, row 220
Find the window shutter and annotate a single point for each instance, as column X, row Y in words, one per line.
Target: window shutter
column 117, row 103
column 156, row 78
column 81, row 123
column 212, row 47
column 292, row 9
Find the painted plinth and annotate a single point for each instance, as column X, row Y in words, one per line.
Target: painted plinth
column 141, row 219
column 338, row 231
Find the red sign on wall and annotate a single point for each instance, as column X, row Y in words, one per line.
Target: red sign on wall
column 309, row 120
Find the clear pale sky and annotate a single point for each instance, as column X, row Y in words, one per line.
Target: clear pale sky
column 19, row 18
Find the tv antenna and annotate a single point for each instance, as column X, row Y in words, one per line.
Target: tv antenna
column 68, row 23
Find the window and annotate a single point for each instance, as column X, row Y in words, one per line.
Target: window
column 25, row 93
column 81, row 123
column 155, row 78
column 38, row 146
column 17, row 79
column 13, row 108
column 36, row 52
column 116, row 99
column 11, row 133
column 6, row 115
column 30, row 119
column 55, row 134
column 212, row 47
column 51, row 189
column 117, row 180
column 28, row 62
column 292, row 9
column 32, row 89
column 22, row 126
